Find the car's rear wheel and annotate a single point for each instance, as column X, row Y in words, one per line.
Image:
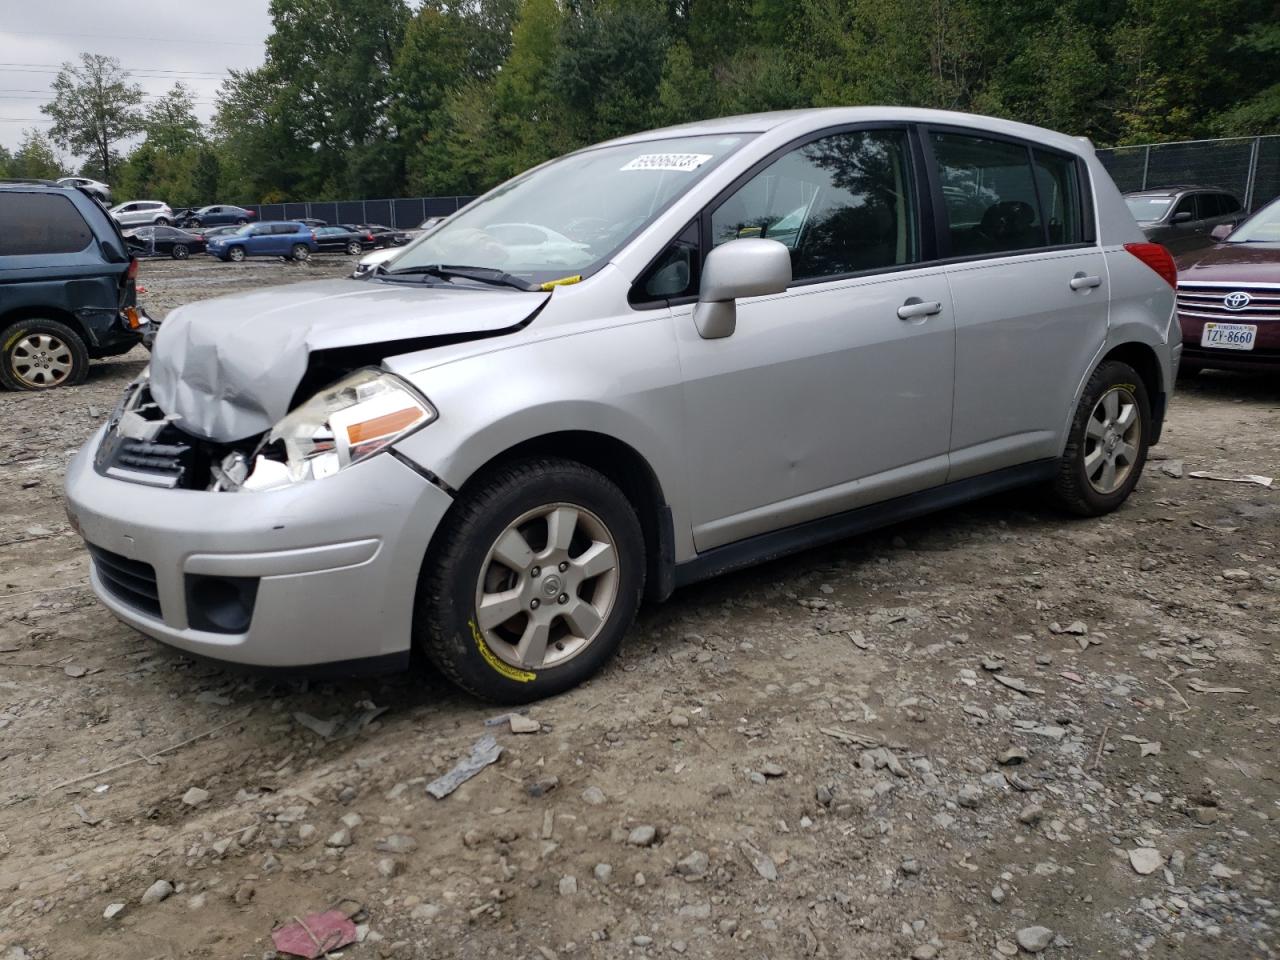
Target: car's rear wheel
column 236, row 254
column 40, row 355
column 241, row 222
column 354, row 248
column 180, row 251
column 162, row 221
column 532, row 582
column 1107, row 445
column 300, row 252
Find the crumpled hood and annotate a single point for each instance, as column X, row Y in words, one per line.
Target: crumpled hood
column 229, row 367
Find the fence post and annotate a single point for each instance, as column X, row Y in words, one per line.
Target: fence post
column 1146, row 162
column 1253, row 174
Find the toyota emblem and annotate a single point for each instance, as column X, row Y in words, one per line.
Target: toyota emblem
column 1237, row 300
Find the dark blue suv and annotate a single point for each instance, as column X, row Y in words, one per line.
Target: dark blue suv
column 67, row 286
column 274, row 238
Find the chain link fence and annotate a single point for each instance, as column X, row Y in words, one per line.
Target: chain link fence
column 1249, row 167
column 404, row 213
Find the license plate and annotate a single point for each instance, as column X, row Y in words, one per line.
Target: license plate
column 1229, row 336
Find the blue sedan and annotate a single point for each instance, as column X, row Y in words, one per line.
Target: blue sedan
column 218, row 215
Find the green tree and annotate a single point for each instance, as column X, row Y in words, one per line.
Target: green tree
column 94, row 106
column 6, row 161
column 36, row 158
column 171, row 123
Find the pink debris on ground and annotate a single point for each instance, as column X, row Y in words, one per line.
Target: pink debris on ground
column 315, row 934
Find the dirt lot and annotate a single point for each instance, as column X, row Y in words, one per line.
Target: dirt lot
column 921, row 743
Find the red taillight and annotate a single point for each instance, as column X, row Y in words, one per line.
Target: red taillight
column 1158, row 259
column 133, row 268
column 369, row 237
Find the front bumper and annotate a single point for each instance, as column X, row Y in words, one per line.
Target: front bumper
column 334, row 562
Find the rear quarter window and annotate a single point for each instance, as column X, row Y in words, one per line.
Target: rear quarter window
column 41, row 223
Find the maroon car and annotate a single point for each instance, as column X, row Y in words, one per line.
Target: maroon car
column 1229, row 297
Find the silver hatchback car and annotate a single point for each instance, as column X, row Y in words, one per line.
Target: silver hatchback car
column 745, row 337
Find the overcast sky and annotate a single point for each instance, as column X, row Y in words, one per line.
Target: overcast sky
column 159, row 41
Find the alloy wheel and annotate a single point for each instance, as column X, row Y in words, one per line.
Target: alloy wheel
column 1112, row 440
column 547, row 586
column 41, row 360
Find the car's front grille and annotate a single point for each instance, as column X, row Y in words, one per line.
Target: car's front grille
column 129, row 581
column 1233, row 303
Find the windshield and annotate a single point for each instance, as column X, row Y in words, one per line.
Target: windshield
column 1147, row 209
column 568, row 217
column 1262, row 227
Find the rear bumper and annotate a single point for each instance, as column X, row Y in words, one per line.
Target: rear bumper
column 331, row 565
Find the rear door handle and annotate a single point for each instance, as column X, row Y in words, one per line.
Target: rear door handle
column 1082, row 282
column 915, row 308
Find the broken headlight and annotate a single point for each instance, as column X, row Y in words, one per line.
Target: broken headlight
column 348, row 421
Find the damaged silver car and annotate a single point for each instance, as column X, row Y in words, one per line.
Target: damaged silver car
column 637, row 366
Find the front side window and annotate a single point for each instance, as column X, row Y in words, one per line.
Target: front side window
column 842, row 204
column 1186, row 205
column 570, row 216
column 989, row 195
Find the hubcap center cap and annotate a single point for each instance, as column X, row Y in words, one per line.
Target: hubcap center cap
column 551, row 585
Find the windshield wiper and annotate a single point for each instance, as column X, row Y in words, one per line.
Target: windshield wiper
column 490, row 275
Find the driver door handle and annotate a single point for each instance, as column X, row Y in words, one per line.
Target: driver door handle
column 1082, row 282
column 915, row 308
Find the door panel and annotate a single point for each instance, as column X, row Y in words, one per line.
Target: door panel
column 822, row 400
column 1024, row 339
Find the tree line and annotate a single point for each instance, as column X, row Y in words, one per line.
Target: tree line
column 375, row 98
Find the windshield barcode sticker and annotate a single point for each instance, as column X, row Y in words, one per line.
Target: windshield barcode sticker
column 668, row 161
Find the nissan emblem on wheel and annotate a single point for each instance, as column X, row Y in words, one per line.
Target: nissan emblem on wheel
column 640, row 365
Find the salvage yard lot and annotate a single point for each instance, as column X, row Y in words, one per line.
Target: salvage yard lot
column 923, row 742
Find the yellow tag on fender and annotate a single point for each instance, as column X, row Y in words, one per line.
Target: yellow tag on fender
column 562, row 282
column 508, row 671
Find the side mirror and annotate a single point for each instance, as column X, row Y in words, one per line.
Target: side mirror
column 1182, row 217
column 740, row 268
column 1222, row 231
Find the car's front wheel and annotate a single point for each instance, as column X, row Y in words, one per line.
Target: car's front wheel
column 40, row 355
column 1107, row 446
column 180, row 251
column 300, row 252
column 236, row 254
column 532, row 582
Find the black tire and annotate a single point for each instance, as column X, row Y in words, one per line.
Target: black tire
column 445, row 618
column 180, row 251
column 300, row 252
column 354, row 249
column 69, row 349
column 1072, row 487
column 162, row 221
column 241, row 222
column 235, row 253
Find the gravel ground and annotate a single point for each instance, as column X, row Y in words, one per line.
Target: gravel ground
column 992, row 731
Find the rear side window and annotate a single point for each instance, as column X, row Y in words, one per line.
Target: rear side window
column 1229, row 203
column 989, row 195
column 40, row 223
column 842, row 204
column 286, row 228
column 1058, row 183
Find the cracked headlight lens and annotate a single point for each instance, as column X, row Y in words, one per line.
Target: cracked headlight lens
column 348, row 421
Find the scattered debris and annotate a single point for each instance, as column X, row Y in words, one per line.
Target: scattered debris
column 522, row 724
column 483, row 752
column 760, row 861
column 1145, row 860
column 315, row 934
column 1013, row 683
column 1246, row 478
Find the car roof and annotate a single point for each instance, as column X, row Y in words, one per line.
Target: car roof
column 1176, row 190
column 819, row 118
